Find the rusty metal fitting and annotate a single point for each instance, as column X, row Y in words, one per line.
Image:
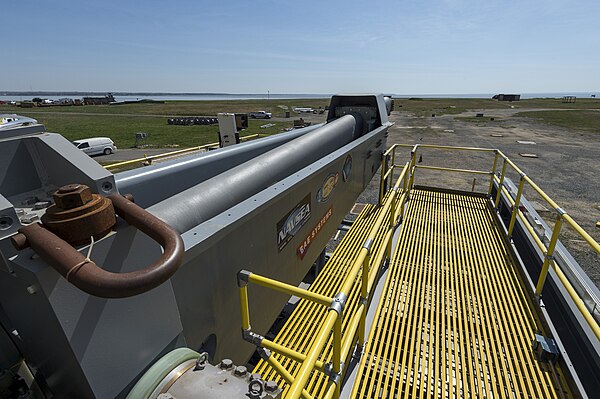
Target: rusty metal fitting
column 95, row 280
column 72, row 196
column 78, row 214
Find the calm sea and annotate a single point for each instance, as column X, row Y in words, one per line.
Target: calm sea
column 165, row 97
column 214, row 97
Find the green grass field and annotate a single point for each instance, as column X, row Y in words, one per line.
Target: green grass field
column 442, row 106
column 121, row 122
column 588, row 120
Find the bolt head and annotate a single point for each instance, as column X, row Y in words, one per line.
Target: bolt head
column 255, row 376
column 72, row 196
column 226, row 364
column 271, row 386
column 240, row 371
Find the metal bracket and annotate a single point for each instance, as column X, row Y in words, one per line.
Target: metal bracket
column 560, row 211
column 243, row 277
column 368, row 243
column 333, row 377
column 263, row 352
column 338, row 303
column 252, row 337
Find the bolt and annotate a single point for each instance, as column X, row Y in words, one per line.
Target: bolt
column 240, row 371
column 72, row 196
column 255, row 376
column 31, row 289
column 226, row 364
column 271, row 386
column 69, row 188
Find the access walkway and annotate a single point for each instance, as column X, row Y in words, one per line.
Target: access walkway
column 454, row 319
column 305, row 322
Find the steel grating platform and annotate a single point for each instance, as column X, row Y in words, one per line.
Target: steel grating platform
column 454, row 319
column 305, row 321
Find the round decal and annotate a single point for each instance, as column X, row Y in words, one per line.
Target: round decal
column 327, row 187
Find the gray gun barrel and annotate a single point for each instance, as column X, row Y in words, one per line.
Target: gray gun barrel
column 205, row 200
column 180, row 174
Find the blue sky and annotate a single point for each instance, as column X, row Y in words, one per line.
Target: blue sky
column 416, row 47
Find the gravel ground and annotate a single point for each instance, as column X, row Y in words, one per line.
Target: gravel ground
column 566, row 168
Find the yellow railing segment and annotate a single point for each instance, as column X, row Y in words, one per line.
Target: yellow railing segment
column 342, row 340
column 516, row 212
column 146, row 160
column 334, row 340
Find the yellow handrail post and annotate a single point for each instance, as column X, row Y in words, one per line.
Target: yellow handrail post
column 337, row 354
column 549, row 254
column 382, row 178
column 500, row 184
column 515, row 210
column 364, row 294
column 285, row 374
column 412, row 168
column 393, row 162
column 244, row 307
column 493, row 173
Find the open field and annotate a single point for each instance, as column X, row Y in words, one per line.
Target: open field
column 121, row 122
column 572, row 119
column 566, row 143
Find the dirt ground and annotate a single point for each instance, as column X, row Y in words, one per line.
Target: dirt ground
column 567, row 166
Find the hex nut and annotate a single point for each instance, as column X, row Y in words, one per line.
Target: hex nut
column 271, row 386
column 226, row 364
column 240, row 371
column 72, row 196
column 255, row 376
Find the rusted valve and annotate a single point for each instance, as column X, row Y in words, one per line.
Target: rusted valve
column 83, row 272
column 77, row 214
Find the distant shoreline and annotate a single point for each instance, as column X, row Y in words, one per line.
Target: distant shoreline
column 165, row 96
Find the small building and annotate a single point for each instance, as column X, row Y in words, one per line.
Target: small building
column 507, row 97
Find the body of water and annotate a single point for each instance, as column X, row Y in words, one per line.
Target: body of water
column 162, row 97
column 218, row 97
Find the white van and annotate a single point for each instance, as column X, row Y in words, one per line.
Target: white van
column 96, row 145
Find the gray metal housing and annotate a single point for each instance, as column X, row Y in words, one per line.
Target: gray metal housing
column 88, row 347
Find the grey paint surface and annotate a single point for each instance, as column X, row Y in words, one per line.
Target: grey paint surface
column 245, row 237
column 155, row 183
column 90, row 347
column 211, row 197
column 93, row 347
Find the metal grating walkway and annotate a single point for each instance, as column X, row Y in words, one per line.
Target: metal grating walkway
column 306, row 319
column 453, row 319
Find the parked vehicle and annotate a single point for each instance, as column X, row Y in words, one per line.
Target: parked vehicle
column 96, row 145
column 9, row 121
column 260, row 115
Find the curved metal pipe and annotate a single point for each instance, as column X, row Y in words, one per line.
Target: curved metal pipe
column 89, row 277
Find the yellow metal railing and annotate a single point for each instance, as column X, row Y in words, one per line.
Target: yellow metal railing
column 355, row 330
column 561, row 218
column 147, row 160
column 393, row 203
